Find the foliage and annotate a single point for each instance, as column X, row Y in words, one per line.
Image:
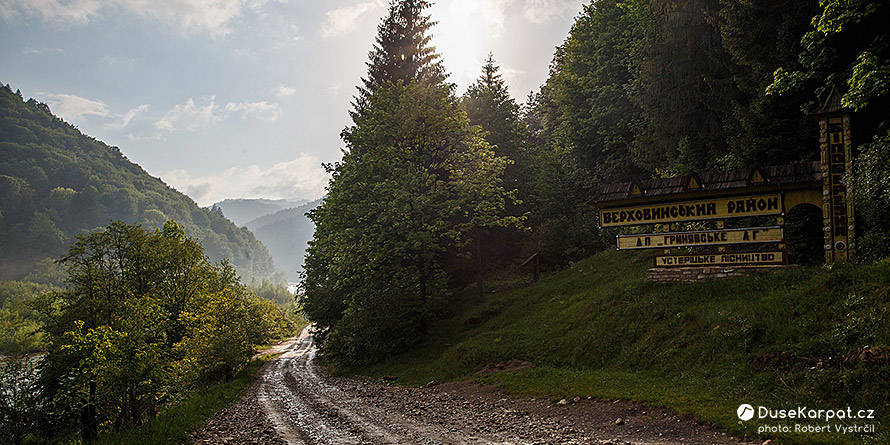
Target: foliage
column 416, row 185
column 274, row 292
column 563, row 221
column 21, row 404
column 765, row 129
column 174, row 424
column 145, row 317
column 583, row 126
column 684, row 88
column 587, row 104
column 56, row 183
column 847, row 48
column 488, row 104
column 872, row 198
column 20, row 329
column 221, row 333
column 406, row 199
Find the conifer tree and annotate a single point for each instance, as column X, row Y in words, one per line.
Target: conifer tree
column 489, row 105
column 685, row 89
column 413, row 187
column 402, row 52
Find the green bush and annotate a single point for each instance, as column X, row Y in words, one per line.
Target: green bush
column 872, row 198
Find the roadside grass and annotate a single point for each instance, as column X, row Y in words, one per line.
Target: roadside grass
column 811, row 336
column 175, row 424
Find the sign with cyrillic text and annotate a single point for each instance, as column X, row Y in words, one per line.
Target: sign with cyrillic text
column 692, row 210
column 721, row 259
column 701, row 238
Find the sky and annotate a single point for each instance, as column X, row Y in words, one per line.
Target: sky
column 245, row 98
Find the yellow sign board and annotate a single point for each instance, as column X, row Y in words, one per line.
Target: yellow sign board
column 701, row 238
column 721, row 259
column 692, row 210
column 837, row 207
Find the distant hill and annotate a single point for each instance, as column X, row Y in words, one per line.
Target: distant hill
column 56, row 183
column 240, row 211
column 286, row 233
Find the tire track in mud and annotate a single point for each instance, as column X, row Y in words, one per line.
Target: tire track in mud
column 306, row 409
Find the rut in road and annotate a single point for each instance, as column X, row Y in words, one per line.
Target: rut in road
column 306, row 409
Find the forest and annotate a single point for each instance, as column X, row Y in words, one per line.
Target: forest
column 438, row 189
column 119, row 296
column 144, row 319
column 56, row 183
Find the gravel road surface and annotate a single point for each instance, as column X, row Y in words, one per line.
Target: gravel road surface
column 294, row 402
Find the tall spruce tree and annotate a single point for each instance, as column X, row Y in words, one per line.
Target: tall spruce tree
column 685, row 89
column 414, row 187
column 402, row 52
column 765, row 129
column 489, row 105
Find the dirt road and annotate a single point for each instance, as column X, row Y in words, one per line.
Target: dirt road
column 294, row 402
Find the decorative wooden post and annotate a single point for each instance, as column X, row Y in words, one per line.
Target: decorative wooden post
column 837, row 173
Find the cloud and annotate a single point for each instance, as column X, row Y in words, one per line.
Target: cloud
column 262, row 110
column 542, row 11
column 285, row 91
column 302, row 177
column 486, row 16
column 295, row 33
column 117, row 63
column 191, row 16
column 190, row 116
column 341, row 20
column 124, row 120
column 73, row 108
column 37, row 51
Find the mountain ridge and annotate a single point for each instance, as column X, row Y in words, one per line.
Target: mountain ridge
column 286, row 233
column 243, row 210
column 57, row 183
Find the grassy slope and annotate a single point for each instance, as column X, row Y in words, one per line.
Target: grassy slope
column 815, row 337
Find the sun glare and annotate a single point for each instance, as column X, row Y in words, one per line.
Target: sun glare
column 464, row 36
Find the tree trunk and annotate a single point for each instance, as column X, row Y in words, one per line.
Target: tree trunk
column 480, row 266
column 88, row 417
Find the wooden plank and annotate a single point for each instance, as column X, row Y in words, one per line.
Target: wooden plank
column 773, row 234
column 668, row 212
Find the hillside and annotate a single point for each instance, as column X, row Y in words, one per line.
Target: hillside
column 56, row 183
column 811, row 336
column 287, row 233
column 293, row 210
column 242, row 211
